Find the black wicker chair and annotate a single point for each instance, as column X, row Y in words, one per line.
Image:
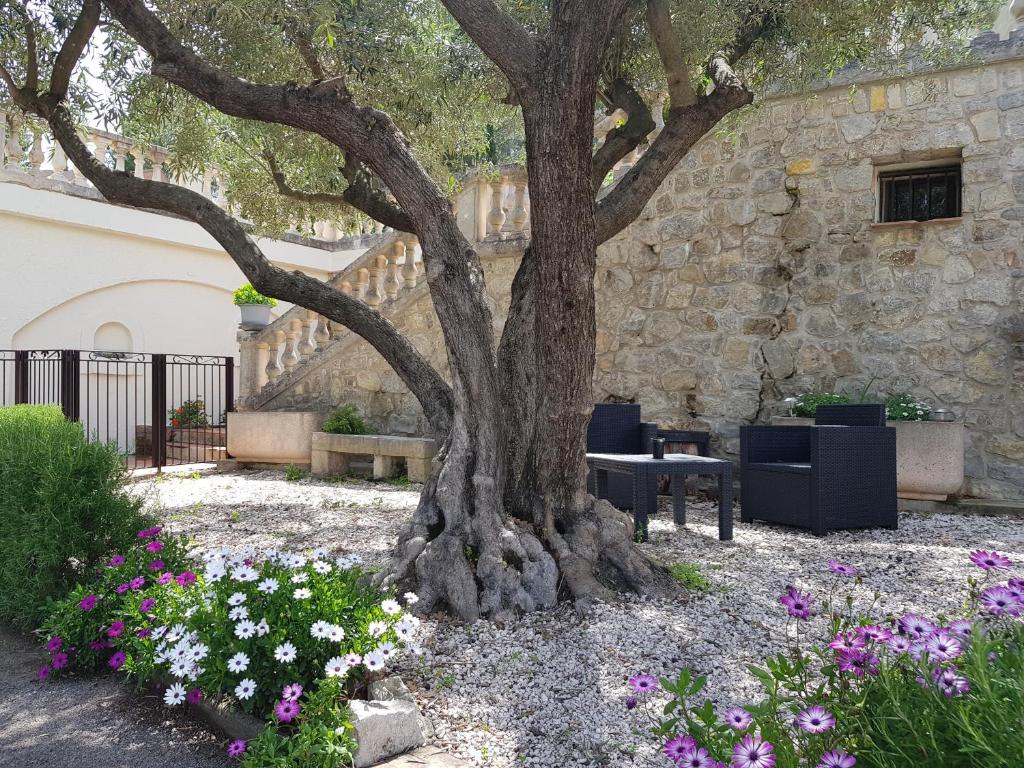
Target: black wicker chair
column 839, row 473
column 616, row 428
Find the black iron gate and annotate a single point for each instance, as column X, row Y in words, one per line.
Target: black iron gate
column 160, row 410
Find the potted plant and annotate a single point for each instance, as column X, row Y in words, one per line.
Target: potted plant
column 929, row 451
column 255, row 307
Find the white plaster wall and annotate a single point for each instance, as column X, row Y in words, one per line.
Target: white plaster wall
column 68, row 265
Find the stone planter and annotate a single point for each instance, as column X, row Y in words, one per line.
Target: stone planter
column 255, row 317
column 272, row 437
column 929, row 456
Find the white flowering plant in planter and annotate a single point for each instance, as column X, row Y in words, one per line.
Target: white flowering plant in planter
column 275, row 632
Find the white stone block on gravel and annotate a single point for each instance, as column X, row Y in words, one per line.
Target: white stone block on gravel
column 384, row 729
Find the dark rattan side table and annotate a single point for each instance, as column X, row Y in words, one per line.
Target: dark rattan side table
column 644, row 470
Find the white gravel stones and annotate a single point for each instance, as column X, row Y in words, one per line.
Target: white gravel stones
column 550, row 689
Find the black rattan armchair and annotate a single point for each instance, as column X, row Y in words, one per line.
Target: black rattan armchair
column 616, row 428
column 839, row 473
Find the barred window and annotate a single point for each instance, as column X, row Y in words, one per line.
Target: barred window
column 919, row 194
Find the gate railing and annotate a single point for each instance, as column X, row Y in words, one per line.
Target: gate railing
column 160, row 409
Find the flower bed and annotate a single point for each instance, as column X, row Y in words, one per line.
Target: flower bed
column 873, row 692
column 284, row 636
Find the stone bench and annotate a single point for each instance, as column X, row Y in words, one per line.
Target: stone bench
column 331, row 454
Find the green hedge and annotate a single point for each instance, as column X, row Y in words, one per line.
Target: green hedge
column 63, row 506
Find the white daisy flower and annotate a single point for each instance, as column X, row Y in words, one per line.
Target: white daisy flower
column 268, row 586
column 387, row 650
column 320, row 553
column 174, row 695
column 302, row 593
column 245, row 629
column 373, row 661
column 415, row 650
column 404, row 632
column 377, row 628
column 180, row 667
column 199, row 651
column 410, row 622
column 214, row 572
column 321, row 567
column 300, row 577
column 295, row 562
column 353, row 659
column 391, row 607
column 238, row 663
column 178, row 630
column 159, row 632
column 238, row 613
column 245, row 689
column 319, row 629
column 245, row 573
column 262, row 628
column 285, row 653
column 343, row 561
column 336, row 667
column 335, row 633
column 411, row 598
column 236, row 599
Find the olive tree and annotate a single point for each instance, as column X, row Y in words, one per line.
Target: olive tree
column 371, row 105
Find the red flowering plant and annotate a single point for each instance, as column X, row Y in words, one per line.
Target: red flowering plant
column 871, row 692
column 89, row 628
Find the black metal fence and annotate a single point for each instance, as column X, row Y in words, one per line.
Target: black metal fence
column 160, row 410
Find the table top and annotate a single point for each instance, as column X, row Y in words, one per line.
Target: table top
column 646, row 458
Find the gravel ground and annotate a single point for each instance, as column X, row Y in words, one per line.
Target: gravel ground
column 550, row 690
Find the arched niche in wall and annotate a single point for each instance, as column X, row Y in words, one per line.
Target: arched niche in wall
column 112, row 337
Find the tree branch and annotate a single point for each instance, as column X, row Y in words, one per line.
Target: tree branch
column 309, row 57
column 360, row 194
column 502, row 39
column 659, row 22
column 71, row 50
column 31, row 55
column 622, row 139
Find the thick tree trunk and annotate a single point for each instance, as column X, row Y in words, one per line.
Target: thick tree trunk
column 505, row 522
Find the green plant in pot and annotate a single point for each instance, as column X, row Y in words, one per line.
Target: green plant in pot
column 254, row 306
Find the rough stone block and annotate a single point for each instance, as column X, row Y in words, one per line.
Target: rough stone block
column 986, row 125
column 877, row 98
column 417, row 469
column 384, row 729
column 329, row 463
column 384, row 467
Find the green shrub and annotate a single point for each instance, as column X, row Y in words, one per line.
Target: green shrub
column 246, row 294
column 906, row 408
column 191, row 413
column 690, row 576
column 807, row 404
column 346, row 421
column 294, row 473
column 63, row 507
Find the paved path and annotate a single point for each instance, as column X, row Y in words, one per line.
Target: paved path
column 90, row 722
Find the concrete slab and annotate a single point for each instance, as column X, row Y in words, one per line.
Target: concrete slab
column 425, row 757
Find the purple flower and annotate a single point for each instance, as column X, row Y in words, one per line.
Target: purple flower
column 989, row 561
column 961, row 628
column 286, row 711
column 88, row 602
column 116, row 560
column 54, row 644
column 96, row 645
column 697, row 757
column 837, row 759
column 1016, row 584
column 848, row 641
column 942, row 646
column 194, row 696
column 857, row 663
column 631, row 702
column 1000, row 601
column 122, row 588
column 738, row 718
column 43, row 673
column 147, row 605
column 116, row 660
column 797, row 603
column 950, row 682
column 148, row 533
column 154, row 546
column 156, row 565
column 185, row 578
column 292, row 692
column 59, row 660
column 918, row 627
column 116, row 629
column 678, row 746
column 816, row 719
column 236, row 748
column 137, row 583
column 144, row 633
column 643, row 684
column 841, row 568
column 165, row 578
column 899, row 644
column 874, row 632
column 752, row 752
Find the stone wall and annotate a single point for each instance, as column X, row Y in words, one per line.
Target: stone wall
column 758, row 272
